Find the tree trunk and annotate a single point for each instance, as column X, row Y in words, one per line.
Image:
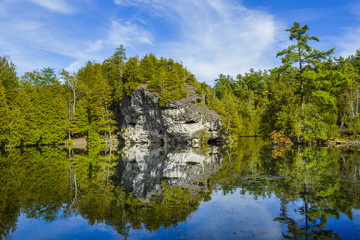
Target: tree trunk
column 351, row 102
column 357, row 102
column 69, row 113
column 74, row 98
column 301, row 88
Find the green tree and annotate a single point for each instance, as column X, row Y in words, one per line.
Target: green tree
column 45, row 113
column 149, row 69
column 113, row 69
column 71, row 85
column 4, row 117
column 282, row 113
column 94, row 114
column 302, row 53
column 8, row 78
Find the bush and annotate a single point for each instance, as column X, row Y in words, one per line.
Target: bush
column 280, row 139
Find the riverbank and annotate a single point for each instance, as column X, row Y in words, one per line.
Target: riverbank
column 337, row 142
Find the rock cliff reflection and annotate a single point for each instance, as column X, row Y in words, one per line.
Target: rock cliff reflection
column 152, row 192
column 139, row 187
column 142, row 169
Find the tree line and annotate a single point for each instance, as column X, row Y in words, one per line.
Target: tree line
column 41, row 107
column 312, row 95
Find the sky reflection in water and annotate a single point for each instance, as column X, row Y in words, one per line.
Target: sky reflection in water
column 244, row 193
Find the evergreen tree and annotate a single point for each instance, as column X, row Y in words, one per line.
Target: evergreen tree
column 94, row 114
column 45, row 113
column 4, row 117
column 71, row 86
column 113, row 70
column 302, row 53
column 132, row 77
column 9, row 79
column 149, row 69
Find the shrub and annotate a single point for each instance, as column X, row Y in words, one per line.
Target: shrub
column 280, row 139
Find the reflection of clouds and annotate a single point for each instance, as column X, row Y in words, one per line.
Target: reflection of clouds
column 236, row 213
column 69, row 227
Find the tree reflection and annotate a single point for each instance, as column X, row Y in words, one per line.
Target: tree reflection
column 149, row 188
column 31, row 182
column 55, row 182
column 313, row 185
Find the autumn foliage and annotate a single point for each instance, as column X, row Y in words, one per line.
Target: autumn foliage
column 280, row 139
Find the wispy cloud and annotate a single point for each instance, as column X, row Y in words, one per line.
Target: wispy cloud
column 127, row 33
column 33, row 37
column 59, row 6
column 214, row 36
column 210, row 36
column 349, row 43
column 119, row 31
column 354, row 7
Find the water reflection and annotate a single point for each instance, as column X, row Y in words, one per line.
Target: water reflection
column 313, row 186
column 133, row 189
column 143, row 191
column 142, row 169
column 31, row 182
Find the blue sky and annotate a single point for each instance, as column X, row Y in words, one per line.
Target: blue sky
column 209, row 36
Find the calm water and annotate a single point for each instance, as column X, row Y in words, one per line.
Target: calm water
column 251, row 191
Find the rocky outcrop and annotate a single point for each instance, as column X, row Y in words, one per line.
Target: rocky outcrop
column 142, row 169
column 143, row 120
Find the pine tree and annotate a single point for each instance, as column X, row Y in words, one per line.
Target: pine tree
column 94, row 114
column 9, row 79
column 4, row 117
column 302, row 53
column 113, row 70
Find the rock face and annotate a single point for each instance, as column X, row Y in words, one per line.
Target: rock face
column 143, row 120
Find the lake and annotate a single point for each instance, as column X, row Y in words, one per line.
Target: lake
column 251, row 191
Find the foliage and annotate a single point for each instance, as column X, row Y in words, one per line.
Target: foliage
column 4, row 116
column 204, row 137
column 38, row 111
column 279, row 139
column 311, row 96
column 302, row 53
column 312, row 185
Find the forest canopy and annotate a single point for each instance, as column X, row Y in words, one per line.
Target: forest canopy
column 312, row 95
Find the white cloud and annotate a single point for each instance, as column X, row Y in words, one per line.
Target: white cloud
column 128, row 33
column 35, row 38
column 59, row 6
column 119, row 32
column 354, row 7
column 349, row 43
column 215, row 36
column 209, row 36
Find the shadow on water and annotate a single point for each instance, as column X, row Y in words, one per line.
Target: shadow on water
column 152, row 189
